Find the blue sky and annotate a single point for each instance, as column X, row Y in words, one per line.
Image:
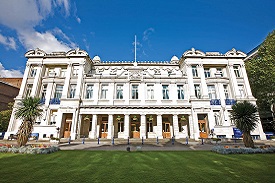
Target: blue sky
column 107, row 28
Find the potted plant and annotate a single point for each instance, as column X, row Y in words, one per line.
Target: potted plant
column 183, row 118
column 135, row 118
column 87, row 118
column 151, row 118
column 118, row 118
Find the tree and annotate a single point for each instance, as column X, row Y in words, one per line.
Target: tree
column 261, row 74
column 5, row 118
column 244, row 114
column 28, row 110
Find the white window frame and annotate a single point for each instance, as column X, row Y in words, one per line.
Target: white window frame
column 89, row 91
column 207, row 73
column 211, row 91
column 165, row 92
column 195, row 71
column 241, row 91
column 150, row 92
column 237, row 70
column 134, row 91
column 58, row 91
column 197, row 89
column 180, row 92
column 226, row 91
column 104, row 91
column 28, row 90
column 33, row 72
column 119, row 91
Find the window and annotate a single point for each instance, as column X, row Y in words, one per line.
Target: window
column 149, row 126
column 51, row 72
column 241, row 91
column 165, row 92
column 89, row 92
column 194, row 71
column 63, row 72
column 119, row 92
column 180, row 92
column 44, row 90
column 58, row 91
column 206, row 72
column 33, row 72
column 219, row 70
column 226, row 93
column 236, row 71
column 28, row 90
column 197, row 91
column 72, row 91
column 211, row 91
column 150, row 91
column 76, row 69
column 134, row 91
column 120, row 126
column 104, row 91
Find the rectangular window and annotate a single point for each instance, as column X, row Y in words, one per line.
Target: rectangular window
column 194, row 71
column 120, row 127
column 104, row 91
column 165, row 92
column 43, row 92
column 211, row 91
column 206, row 72
column 180, row 92
column 72, row 91
column 149, row 126
column 197, row 91
column 226, row 93
column 236, row 71
column 241, row 91
column 28, row 90
column 51, row 72
column 63, row 73
column 75, row 70
column 119, row 92
column 134, row 91
column 33, row 72
column 89, row 92
column 150, row 92
column 219, row 70
column 58, row 91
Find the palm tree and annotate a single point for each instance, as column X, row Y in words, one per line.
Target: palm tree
column 245, row 116
column 28, row 110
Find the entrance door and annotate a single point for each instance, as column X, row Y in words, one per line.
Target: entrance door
column 104, row 130
column 166, row 130
column 67, row 127
column 135, row 130
column 203, row 128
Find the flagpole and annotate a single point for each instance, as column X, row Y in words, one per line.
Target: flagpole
column 135, row 48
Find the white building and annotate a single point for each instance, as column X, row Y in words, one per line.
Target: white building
column 187, row 97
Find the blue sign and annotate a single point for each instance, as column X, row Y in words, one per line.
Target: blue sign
column 237, row 133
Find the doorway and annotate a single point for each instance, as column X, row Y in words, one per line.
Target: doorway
column 104, row 129
column 203, row 125
column 67, row 127
column 166, row 133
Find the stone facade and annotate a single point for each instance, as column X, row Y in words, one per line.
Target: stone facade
column 187, row 97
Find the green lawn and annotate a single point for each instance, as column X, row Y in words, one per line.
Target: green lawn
column 116, row 166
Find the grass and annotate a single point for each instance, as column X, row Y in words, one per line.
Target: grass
column 117, row 166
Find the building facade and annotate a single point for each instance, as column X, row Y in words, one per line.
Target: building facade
column 83, row 97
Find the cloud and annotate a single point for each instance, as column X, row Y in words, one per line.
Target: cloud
column 24, row 15
column 9, row 73
column 147, row 33
column 8, row 41
column 78, row 20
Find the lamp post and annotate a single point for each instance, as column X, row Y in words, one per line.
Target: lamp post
column 57, row 133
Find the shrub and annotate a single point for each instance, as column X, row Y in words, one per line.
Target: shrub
column 242, row 150
column 29, row 150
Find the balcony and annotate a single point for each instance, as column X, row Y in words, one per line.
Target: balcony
column 42, row 101
column 230, row 101
column 55, row 101
column 215, row 102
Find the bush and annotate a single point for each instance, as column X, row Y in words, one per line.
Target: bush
column 242, row 150
column 29, row 150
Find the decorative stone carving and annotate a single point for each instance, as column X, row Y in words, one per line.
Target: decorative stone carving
column 194, row 52
column 235, row 53
column 135, row 75
column 35, row 53
column 76, row 52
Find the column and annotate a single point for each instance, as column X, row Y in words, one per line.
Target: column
column 204, row 89
column 74, row 124
column 67, row 81
column 220, row 94
column 246, row 82
column 92, row 133
column 24, row 81
column 190, row 81
column 143, row 126
column 233, row 81
column 111, row 89
column 196, row 132
column 191, row 126
column 110, row 127
column 176, row 126
column 37, row 81
column 79, row 81
column 159, row 125
column 126, row 126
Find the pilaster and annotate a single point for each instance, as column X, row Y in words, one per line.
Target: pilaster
column 110, row 126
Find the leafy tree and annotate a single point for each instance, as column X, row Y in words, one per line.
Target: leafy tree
column 244, row 114
column 28, row 110
column 5, row 118
column 261, row 74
